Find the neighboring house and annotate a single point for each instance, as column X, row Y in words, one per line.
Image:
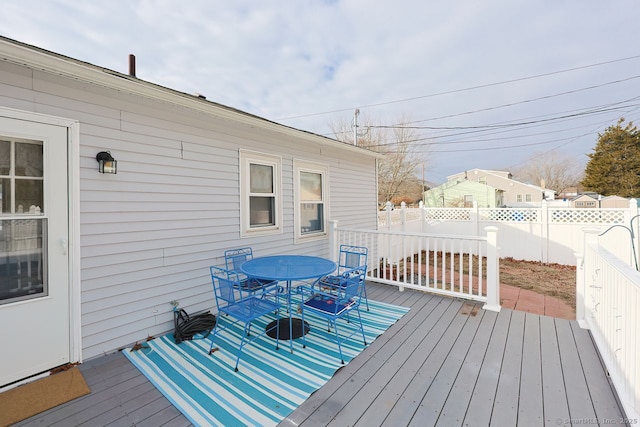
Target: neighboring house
column 463, row 194
column 584, row 201
column 614, row 202
column 515, row 193
column 90, row 262
column 594, row 200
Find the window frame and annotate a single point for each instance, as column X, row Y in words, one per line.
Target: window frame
column 246, row 159
column 322, row 169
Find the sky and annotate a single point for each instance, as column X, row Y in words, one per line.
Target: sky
column 484, row 84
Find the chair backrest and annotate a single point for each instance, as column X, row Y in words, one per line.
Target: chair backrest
column 225, row 286
column 351, row 257
column 234, row 258
column 354, row 286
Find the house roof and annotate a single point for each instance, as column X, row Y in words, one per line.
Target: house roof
column 502, row 175
column 24, row 54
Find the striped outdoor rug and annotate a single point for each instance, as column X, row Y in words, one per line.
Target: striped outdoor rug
column 270, row 383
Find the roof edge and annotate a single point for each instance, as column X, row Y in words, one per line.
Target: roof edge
column 47, row 61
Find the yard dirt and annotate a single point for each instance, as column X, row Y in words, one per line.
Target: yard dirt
column 554, row 280
column 550, row 279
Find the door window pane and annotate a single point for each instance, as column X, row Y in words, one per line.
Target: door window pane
column 5, row 195
column 22, row 259
column 29, row 197
column 5, row 157
column 28, row 159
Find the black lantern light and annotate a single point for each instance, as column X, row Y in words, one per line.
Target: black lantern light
column 106, row 163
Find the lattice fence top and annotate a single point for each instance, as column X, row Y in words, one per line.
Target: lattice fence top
column 451, row 214
column 508, row 214
column 587, row 216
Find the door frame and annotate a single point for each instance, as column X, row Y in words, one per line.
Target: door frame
column 73, row 191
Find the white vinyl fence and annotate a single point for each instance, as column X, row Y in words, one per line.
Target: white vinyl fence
column 607, row 301
column 458, row 266
column 546, row 234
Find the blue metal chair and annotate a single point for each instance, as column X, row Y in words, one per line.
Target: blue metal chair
column 236, row 305
column 350, row 257
column 336, row 305
column 234, row 258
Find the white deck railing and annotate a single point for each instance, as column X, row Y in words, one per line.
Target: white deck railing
column 457, row 266
column 607, row 302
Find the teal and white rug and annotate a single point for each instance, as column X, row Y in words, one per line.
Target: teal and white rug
column 270, row 383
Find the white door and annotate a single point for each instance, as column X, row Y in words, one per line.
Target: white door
column 34, row 262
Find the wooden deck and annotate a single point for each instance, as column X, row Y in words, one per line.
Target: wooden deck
column 446, row 362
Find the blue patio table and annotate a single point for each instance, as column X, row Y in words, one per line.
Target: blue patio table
column 288, row 268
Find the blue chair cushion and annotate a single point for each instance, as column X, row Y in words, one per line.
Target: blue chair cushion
column 328, row 305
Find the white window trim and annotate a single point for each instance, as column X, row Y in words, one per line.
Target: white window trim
column 320, row 168
column 246, row 158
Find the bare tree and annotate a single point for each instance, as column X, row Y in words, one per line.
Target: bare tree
column 397, row 172
column 553, row 170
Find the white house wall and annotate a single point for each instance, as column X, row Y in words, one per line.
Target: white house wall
column 149, row 233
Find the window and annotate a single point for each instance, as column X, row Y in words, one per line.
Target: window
column 527, row 197
column 311, row 190
column 468, row 201
column 519, row 198
column 260, row 194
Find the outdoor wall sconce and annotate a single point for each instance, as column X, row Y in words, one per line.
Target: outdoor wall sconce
column 106, row 163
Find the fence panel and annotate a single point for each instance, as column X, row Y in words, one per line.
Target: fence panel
column 547, row 234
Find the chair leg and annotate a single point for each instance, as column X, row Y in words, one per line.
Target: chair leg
column 366, row 300
column 364, row 338
column 335, row 328
column 213, row 337
column 242, row 343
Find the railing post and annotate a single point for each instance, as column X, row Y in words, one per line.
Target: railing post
column 590, row 237
column 633, row 207
column 544, row 230
column 580, row 289
column 493, row 273
column 423, row 217
column 387, row 208
column 403, row 216
column 475, row 218
column 333, row 240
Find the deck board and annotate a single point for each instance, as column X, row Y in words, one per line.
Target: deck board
column 483, row 397
column 574, row 379
column 455, row 408
column 439, row 364
column 505, row 407
column 430, row 407
column 530, row 409
column 603, row 398
column 554, row 394
column 394, row 356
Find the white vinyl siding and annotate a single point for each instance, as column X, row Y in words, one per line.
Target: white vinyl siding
column 149, row 233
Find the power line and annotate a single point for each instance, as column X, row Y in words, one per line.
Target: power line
column 464, row 89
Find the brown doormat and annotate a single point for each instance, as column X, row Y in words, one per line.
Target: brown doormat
column 30, row 399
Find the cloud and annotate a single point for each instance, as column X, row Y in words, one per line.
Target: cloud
column 322, row 59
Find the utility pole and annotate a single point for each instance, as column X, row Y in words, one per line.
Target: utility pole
column 355, row 126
